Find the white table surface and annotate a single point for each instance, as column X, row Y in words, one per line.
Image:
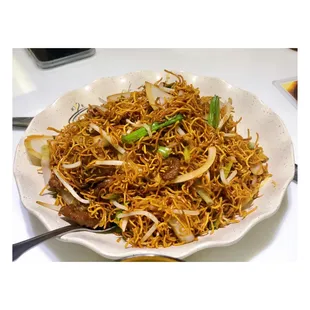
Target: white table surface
column 275, row 239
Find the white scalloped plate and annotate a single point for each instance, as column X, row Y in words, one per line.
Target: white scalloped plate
column 256, row 116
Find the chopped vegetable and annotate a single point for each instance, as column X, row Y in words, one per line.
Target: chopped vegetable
column 185, row 235
column 45, row 163
column 229, row 135
column 204, row 195
column 107, row 137
column 257, row 169
column 164, row 151
column 187, row 154
column 102, row 142
column 251, row 145
column 69, row 187
column 106, row 163
column 118, row 212
column 33, row 146
column 180, row 131
column 227, row 168
column 186, row 212
column 142, row 132
column 153, row 92
column 149, row 232
column 232, row 175
column 115, row 97
column 225, row 180
column 72, row 166
column 198, row 172
column 49, row 206
column 214, row 115
column 140, row 212
column 124, row 223
column 227, row 114
column 119, row 205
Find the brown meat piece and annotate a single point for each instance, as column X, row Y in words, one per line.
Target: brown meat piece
column 54, row 183
column 105, row 183
column 172, row 172
column 79, row 215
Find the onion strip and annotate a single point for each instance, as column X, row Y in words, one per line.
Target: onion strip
column 124, row 224
column 119, row 205
column 232, row 175
column 69, row 187
column 108, row 163
column 149, row 232
column 72, row 166
column 180, row 131
column 140, row 212
column 186, row 212
column 49, row 206
column 107, row 137
column 198, row 172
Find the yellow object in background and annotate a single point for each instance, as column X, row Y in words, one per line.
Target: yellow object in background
column 291, row 87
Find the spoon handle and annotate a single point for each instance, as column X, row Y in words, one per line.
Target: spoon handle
column 23, row 246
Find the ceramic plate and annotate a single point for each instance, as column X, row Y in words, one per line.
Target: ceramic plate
column 256, row 116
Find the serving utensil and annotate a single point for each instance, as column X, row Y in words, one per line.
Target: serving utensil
column 23, row 246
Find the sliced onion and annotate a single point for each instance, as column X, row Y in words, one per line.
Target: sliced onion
column 204, row 195
column 181, row 92
column 254, row 180
column 108, row 163
column 69, row 187
column 119, row 205
column 153, row 92
column 148, row 129
column 45, row 163
column 72, row 166
column 208, row 175
column 49, row 206
column 68, row 198
column 229, row 135
column 186, row 212
column 102, row 141
column 185, row 235
column 232, row 158
column 140, row 212
column 257, row 169
column 232, row 175
column 33, row 146
column 227, row 114
column 117, row 96
column 222, row 176
column 198, row 172
column 180, row 131
column 149, row 232
column 124, row 223
column 137, row 124
column 100, row 108
column 107, row 137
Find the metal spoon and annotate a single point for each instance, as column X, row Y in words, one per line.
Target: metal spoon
column 23, row 246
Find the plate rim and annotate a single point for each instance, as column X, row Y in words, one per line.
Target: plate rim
column 197, row 247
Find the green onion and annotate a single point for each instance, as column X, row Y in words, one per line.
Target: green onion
column 187, row 154
column 227, row 168
column 116, row 216
column 142, row 132
column 251, row 145
column 164, row 151
column 214, row 115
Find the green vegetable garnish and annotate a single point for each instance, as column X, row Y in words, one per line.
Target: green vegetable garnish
column 187, row 154
column 142, row 132
column 116, row 216
column 251, row 145
column 164, row 151
column 214, row 115
column 227, row 168
column 169, row 85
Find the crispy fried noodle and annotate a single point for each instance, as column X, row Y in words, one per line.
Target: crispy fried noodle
column 164, row 163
